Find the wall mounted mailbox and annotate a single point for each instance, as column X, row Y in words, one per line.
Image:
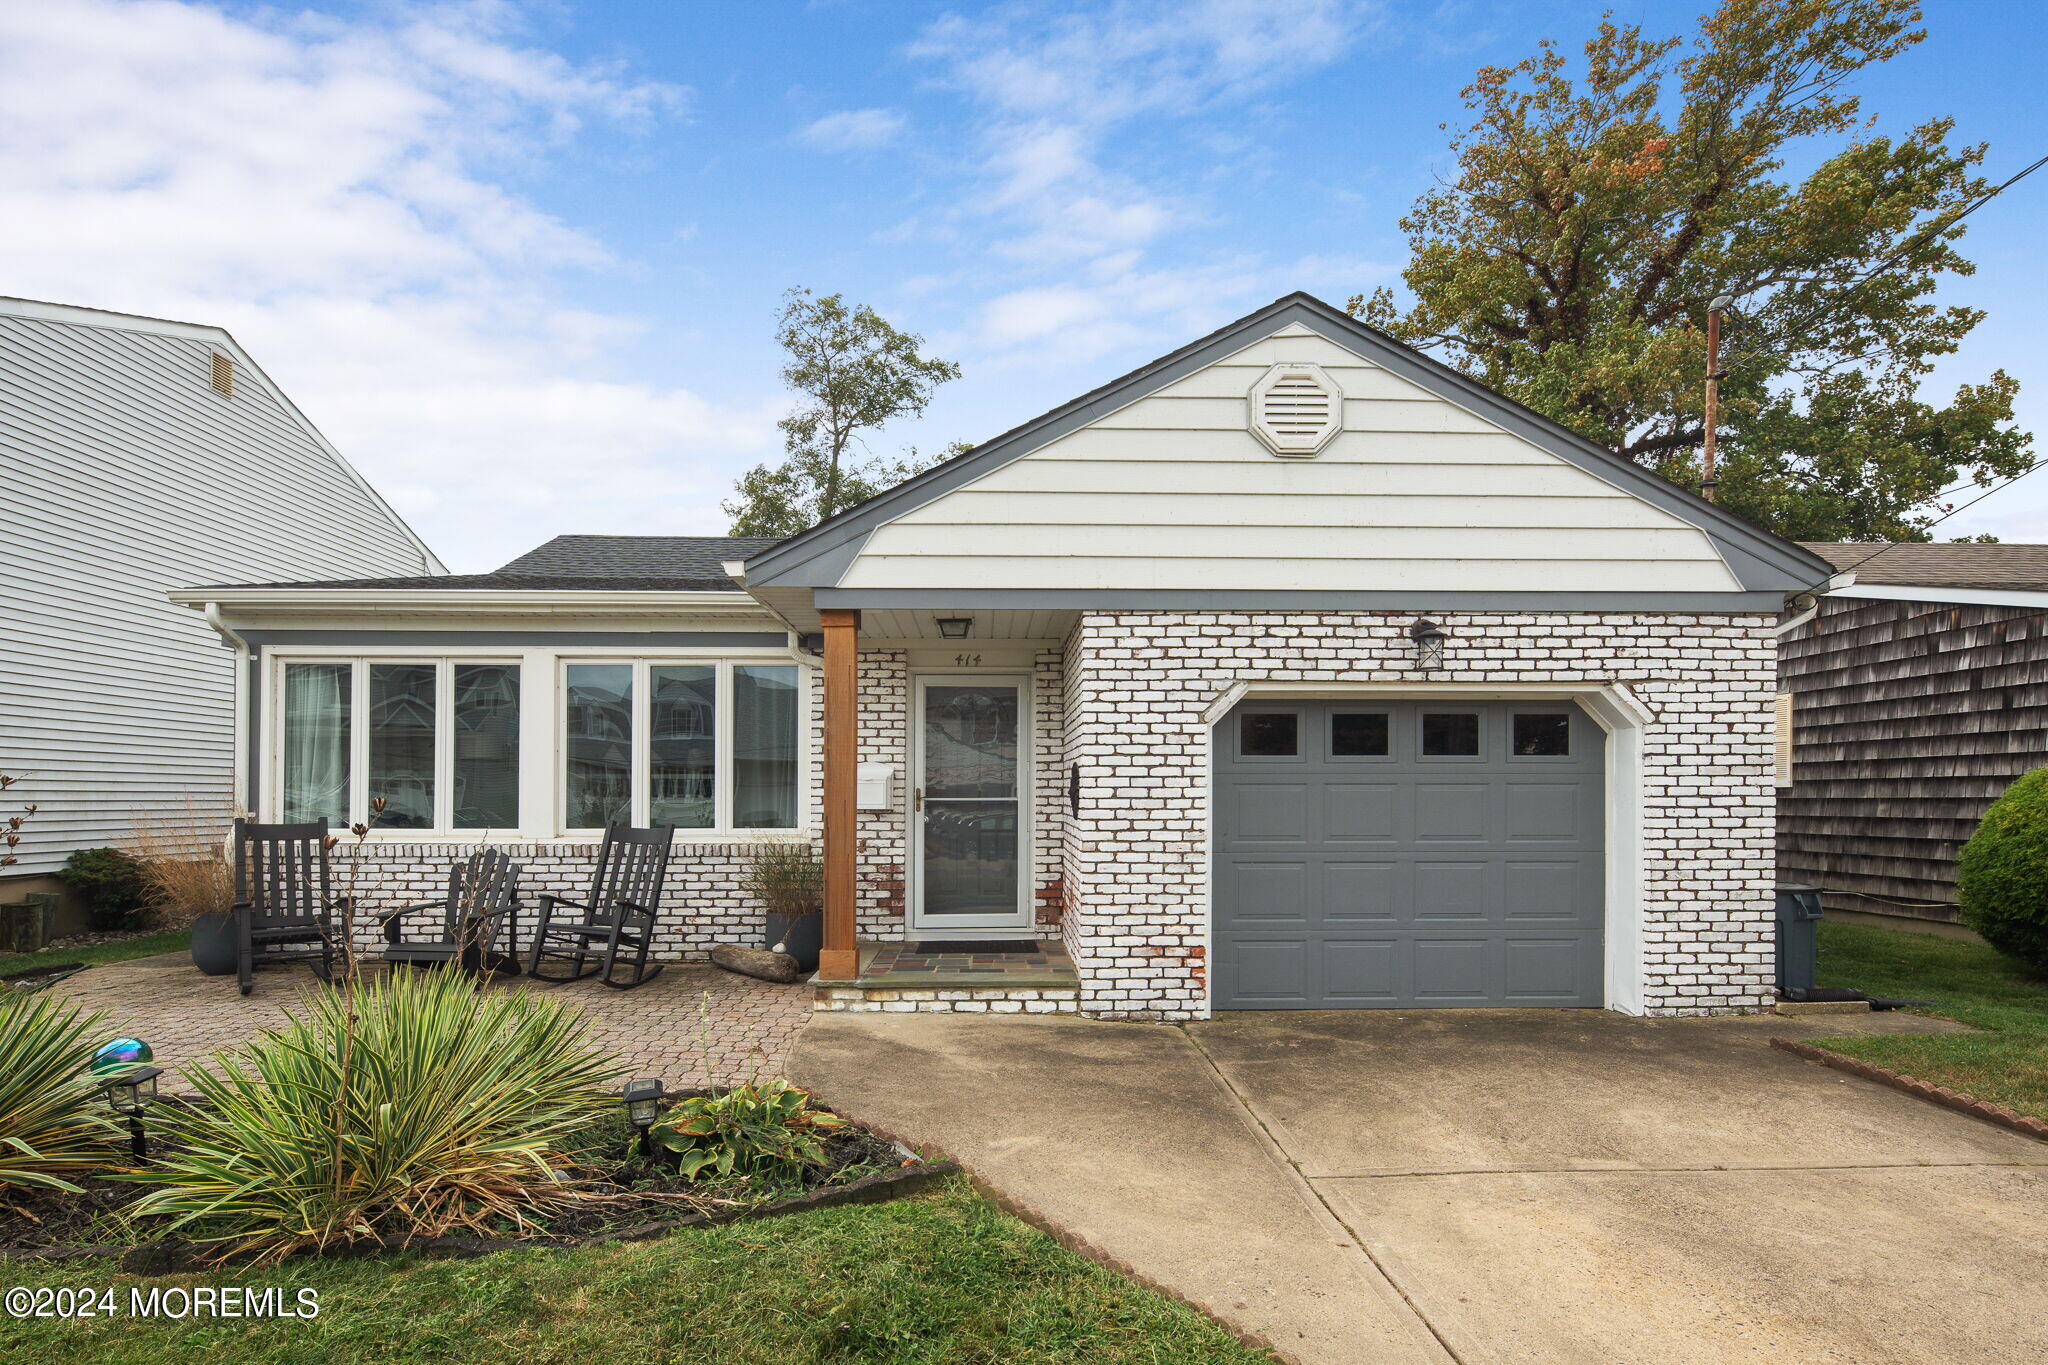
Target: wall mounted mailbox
column 872, row 784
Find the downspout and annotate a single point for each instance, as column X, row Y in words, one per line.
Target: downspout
column 240, row 775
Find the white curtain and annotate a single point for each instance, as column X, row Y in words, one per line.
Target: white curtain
column 316, row 730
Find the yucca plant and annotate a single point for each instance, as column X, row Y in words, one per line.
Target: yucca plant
column 50, row 1124
column 769, row 1128
column 415, row 1106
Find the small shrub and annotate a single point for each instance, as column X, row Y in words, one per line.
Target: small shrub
column 766, row 1129
column 50, row 1121
column 2002, row 874
column 111, row 882
column 786, row 878
column 447, row 1114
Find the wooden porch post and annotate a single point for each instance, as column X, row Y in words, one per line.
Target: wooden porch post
column 839, row 959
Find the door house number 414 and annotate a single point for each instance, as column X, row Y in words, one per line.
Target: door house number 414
column 966, row 660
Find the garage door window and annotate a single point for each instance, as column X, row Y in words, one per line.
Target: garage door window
column 1358, row 734
column 1450, row 734
column 1273, row 735
column 1542, row 736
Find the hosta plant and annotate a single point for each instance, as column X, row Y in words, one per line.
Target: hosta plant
column 412, row 1107
column 51, row 1120
column 770, row 1128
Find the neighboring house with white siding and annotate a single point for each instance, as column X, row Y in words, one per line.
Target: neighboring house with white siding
column 138, row 455
column 1291, row 670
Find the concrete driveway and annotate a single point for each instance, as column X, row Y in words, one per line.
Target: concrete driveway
column 1379, row 1186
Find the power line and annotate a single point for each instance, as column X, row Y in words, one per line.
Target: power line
column 1998, row 488
column 1917, row 239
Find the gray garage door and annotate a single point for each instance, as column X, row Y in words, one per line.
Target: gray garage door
column 1408, row 854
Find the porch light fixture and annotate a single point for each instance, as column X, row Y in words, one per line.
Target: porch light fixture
column 128, row 1094
column 642, row 1099
column 1429, row 640
column 955, row 627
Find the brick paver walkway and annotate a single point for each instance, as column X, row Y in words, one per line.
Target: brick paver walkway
column 667, row 1027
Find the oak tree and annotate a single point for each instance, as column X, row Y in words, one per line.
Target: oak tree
column 1595, row 212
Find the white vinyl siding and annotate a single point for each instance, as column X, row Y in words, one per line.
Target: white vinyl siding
column 1175, row 491
column 126, row 475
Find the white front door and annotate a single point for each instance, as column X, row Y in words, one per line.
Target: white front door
column 970, row 816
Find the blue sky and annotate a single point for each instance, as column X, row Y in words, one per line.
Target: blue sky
column 521, row 262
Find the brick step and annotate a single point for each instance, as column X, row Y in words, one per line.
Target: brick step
column 853, row 997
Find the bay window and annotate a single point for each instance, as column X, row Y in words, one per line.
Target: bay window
column 695, row 745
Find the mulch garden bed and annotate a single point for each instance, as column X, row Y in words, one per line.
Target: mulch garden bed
column 625, row 1199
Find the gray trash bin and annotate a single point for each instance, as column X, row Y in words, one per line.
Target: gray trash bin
column 1798, row 939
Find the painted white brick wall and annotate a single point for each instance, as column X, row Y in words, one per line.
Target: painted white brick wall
column 1136, row 854
column 883, row 700
column 704, row 902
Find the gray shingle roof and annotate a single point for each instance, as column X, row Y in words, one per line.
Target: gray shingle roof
column 588, row 563
column 2015, row 568
column 696, row 557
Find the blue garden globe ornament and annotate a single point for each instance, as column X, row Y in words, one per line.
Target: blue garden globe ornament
column 121, row 1055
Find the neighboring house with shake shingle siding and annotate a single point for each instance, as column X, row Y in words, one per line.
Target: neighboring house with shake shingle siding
column 1290, row 670
column 1913, row 698
column 136, row 456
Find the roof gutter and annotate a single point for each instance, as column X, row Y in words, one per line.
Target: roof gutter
column 470, row 599
column 1807, row 604
column 736, row 570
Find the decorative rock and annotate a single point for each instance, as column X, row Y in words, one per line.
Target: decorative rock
column 756, row 962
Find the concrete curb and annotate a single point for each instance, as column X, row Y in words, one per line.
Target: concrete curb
column 1919, row 1089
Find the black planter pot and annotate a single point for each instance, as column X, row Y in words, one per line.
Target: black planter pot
column 213, row 944
column 800, row 936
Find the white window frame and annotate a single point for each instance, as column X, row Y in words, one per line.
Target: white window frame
column 722, row 828
column 543, row 742
column 444, row 664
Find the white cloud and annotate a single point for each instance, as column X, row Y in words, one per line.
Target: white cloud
column 332, row 193
column 1055, row 89
column 854, row 130
column 1137, row 56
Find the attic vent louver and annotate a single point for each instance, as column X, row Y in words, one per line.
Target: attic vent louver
column 223, row 375
column 1296, row 409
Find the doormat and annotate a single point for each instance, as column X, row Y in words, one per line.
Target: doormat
column 977, row 946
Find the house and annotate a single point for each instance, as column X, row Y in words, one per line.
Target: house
column 141, row 455
column 1914, row 696
column 1291, row 670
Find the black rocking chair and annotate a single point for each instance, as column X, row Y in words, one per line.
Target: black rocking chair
column 284, row 898
column 482, row 899
column 624, row 900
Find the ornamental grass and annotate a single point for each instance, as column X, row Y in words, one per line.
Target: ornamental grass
column 50, row 1120
column 412, row 1107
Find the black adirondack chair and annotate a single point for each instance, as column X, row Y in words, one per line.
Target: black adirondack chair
column 479, row 907
column 624, row 901
column 284, row 898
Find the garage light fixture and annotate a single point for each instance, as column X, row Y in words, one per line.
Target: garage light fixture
column 1429, row 640
column 955, row 627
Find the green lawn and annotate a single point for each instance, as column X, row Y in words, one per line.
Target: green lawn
column 149, row 945
column 2007, row 1064
column 942, row 1278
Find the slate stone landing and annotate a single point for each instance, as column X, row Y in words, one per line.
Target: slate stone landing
column 900, row 977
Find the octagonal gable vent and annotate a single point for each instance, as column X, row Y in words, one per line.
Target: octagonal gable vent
column 1296, row 409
